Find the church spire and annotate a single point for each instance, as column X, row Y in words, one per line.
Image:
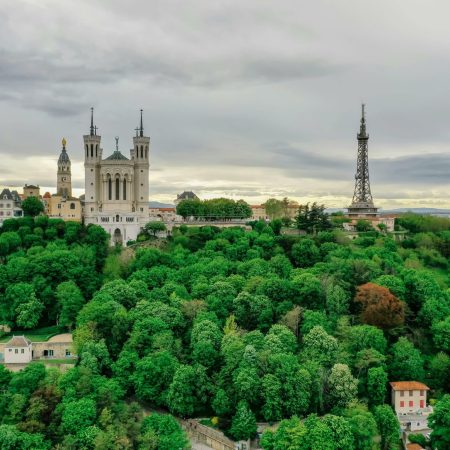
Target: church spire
column 141, row 129
column 93, row 129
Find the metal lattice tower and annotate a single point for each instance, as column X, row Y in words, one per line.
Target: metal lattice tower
column 362, row 202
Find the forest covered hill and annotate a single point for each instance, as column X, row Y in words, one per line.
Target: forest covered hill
column 239, row 325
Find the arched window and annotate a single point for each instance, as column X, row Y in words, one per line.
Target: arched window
column 92, row 150
column 96, row 149
column 117, row 218
column 117, row 188
column 87, row 150
column 142, row 151
column 110, row 189
column 124, row 189
column 72, row 206
column 137, row 151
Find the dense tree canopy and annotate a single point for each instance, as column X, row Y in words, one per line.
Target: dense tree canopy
column 244, row 325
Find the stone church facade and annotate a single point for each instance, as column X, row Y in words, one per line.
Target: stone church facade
column 116, row 187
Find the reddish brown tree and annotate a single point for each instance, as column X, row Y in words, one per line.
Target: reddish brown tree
column 380, row 307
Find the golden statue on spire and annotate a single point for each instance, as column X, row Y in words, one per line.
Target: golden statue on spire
column 64, row 142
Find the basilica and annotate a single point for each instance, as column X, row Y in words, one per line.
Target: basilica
column 116, row 187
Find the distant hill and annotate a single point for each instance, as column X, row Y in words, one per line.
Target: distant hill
column 434, row 211
column 160, row 205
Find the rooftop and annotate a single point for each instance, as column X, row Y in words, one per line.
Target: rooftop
column 18, row 341
column 413, row 447
column 116, row 156
column 409, row 386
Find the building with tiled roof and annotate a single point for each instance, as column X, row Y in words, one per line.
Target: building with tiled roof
column 409, row 400
column 10, row 205
column 18, row 350
column 186, row 195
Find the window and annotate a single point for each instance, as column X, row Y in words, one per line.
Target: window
column 59, row 205
column 92, row 150
column 410, row 393
column 72, row 206
column 402, row 404
column 10, row 350
column 124, row 190
column 92, row 209
column 92, row 170
column 411, row 403
column 67, row 352
column 109, row 189
column 117, row 218
column 422, row 393
column 92, row 184
column 16, row 351
column 50, row 353
column 87, row 151
column 22, row 350
column 422, row 403
column 142, row 209
column 117, row 188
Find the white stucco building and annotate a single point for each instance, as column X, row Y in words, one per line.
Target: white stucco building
column 18, row 350
column 116, row 187
column 9, row 205
column 409, row 400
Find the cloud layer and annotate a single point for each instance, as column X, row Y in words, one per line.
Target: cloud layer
column 247, row 99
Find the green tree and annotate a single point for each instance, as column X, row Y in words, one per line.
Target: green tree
column 188, row 390
column 11, row 439
column 243, row 425
column 153, row 376
column 70, row 300
column 305, row 253
column 78, row 414
column 32, row 206
column 439, row 421
column 272, row 408
column 167, row 430
column 376, row 385
column 441, row 334
column 154, row 228
column 312, row 218
column 274, row 208
column 320, row 346
column 388, row 426
column 342, row 387
column 221, row 403
column 406, row 362
column 363, row 426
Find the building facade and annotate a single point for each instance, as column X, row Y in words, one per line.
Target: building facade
column 409, row 400
column 63, row 205
column 18, row 350
column 10, row 208
column 116, row 187
column 30, row 190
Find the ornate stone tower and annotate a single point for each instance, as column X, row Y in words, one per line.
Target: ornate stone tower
column 362, row 202
column 64, row 178
column 92, row 159
column 140, row 155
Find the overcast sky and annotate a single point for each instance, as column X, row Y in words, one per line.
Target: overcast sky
column 245, row 99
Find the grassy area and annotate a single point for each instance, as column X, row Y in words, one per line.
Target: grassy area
column 36, row 335
column 59, row 361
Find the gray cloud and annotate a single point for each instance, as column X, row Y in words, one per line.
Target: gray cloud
column 241, row 98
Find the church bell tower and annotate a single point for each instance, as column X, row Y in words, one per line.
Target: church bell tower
column 140, row 154
column 92, row 159
column 64, row 177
